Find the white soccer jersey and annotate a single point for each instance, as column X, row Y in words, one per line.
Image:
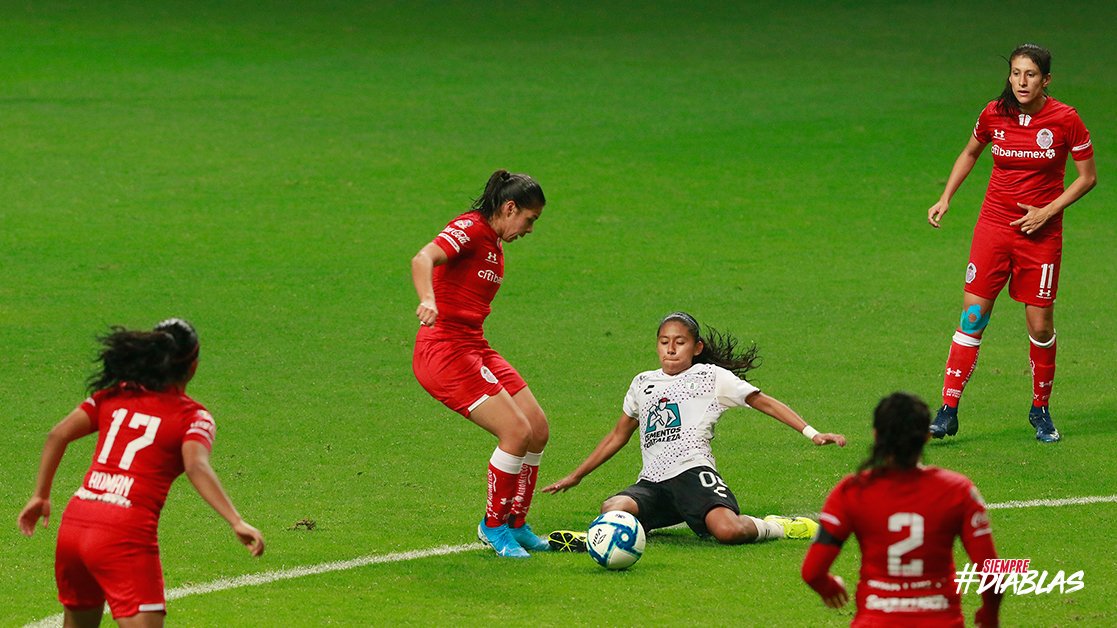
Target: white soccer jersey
column 677, row 414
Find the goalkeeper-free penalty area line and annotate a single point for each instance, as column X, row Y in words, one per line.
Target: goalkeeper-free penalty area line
column 257, row 579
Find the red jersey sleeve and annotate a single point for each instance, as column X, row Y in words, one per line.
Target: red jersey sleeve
column 90, row 407
column 981, row 128
column 1078, row 137
column 200, row 427
column 457, row 237
column 835, row 511
column 977, row 533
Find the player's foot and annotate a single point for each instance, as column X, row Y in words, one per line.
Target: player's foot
column 797, row 528
column 945, row 423
column 500, row 539
column 567, row 541
column 529, row 540
column 1040, row 418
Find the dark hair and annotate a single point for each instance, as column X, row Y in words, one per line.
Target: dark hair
column 902, row 422
column 150, row 359
column 504, row 186
column 1007, row 105
column 720, row 349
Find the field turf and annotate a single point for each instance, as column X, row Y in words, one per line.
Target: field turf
column 267, row 169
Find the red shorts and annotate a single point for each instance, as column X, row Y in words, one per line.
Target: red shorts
column 463, row 373
column 1029, row 264
column 93, row 565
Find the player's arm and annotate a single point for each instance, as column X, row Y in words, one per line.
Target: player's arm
column 422, row 275
column 977, row 539
column 779, row 411
column 962, row 167
column 74, row 426
column 617, row 438
column 1036, row 217
column 195, row 458
column 816, row 570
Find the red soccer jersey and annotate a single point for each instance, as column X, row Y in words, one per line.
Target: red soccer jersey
column 1029, row 159
column 464, row 287
column 905, row 523
column 138, row 455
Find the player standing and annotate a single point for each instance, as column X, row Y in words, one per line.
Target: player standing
column 1018, row 238
column 675, row 409
column 456, row 278
column 905, row 517
column 149, row 432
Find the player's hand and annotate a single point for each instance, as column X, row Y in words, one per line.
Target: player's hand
column 840, row 597
column 937, row 211
column 250, row 537
column 1035, row 218
column 36, row 508
column 427, row 312
column 563, row 485
column 829, row 439
column 984, row 619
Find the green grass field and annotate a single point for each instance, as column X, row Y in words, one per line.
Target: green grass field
column 267, row 169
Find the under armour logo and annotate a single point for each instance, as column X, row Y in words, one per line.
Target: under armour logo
column 999, row 134
column 1046, row 384
column 955, row 372
column 491, row 258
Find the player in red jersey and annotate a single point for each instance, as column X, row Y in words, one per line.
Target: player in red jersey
column 1018, row 238
column 456, row 277
column 905, row 517
column 149, row 432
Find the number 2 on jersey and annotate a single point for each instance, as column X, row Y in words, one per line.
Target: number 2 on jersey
column 914, row 523
column 139, row 419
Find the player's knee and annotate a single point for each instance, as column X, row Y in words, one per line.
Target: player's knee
column 974, row 320
column 1043, row 337
column 619, row 502
column 731, row 531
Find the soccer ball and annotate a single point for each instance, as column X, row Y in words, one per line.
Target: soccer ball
column 615, row 540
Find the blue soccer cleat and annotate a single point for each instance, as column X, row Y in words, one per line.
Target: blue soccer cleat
column 945, row 423
column 501, row 540
column 1040, row 418
column 529, row 540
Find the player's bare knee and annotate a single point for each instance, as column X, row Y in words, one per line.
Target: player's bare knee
column 732, row 531
column 620, row 502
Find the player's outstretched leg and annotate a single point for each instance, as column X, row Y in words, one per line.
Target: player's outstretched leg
column 795, row 528
column 567, row 541
column 945, row 423
column 1040, row 418
column 500, row 539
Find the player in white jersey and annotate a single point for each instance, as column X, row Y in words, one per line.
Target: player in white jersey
column 675, row 409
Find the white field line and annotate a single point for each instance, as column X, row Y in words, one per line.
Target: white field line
column 252, row 580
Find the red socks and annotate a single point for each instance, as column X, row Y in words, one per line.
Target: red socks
column 960, row 364
column 504, row 481
column 1042, row 355
column 525, row 489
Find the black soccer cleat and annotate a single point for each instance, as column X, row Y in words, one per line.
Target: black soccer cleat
column 567, row 541
column 1040, row 418
column 945, row 423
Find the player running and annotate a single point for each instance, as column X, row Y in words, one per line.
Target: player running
column 456, row 277
column 905, row 517
column 149, row 432
column 1018, row 238
column 675, row 409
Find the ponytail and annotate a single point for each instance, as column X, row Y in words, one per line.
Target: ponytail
column 902, row 422
column 149, row 359
column 504, row 186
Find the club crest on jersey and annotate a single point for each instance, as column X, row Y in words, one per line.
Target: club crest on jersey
column 1045, row 138
column 971, row 272
column 464, row 223
column 488, row 375
column 663, row 415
